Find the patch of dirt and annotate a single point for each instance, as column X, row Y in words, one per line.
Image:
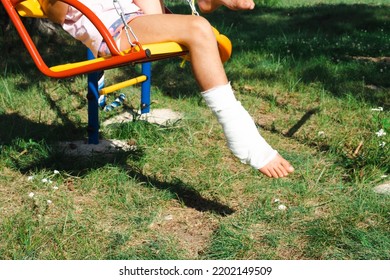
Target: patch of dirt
column 192, row 229
column 10, row 200
column 293, row 250
column 385, row 60
column 265, row 121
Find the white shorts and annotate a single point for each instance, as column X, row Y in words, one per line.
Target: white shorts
column 81, row 28
column 116, row 31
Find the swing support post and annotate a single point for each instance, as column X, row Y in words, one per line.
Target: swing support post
column 93, row 96
column 93, row 110
column 145, row 87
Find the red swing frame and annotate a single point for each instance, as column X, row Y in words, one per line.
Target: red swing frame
column 137, row 54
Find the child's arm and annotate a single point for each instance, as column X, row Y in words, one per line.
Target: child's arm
column 55, row 10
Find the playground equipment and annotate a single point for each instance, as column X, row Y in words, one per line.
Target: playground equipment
column 143, row 54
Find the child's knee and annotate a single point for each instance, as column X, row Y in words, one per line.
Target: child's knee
column 201, row 28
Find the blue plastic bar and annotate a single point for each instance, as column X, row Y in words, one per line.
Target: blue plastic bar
column 93, row 110
column 145, row 87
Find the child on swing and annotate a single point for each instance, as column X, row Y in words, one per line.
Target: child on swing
column 148, row 21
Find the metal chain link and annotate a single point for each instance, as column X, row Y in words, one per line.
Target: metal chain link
column 119, row 9
column 192, row 5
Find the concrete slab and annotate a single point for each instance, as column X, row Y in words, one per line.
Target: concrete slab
column 105, row 147
column 383, row 188
column 162, row 117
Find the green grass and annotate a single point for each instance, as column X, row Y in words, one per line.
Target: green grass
column 309, row 72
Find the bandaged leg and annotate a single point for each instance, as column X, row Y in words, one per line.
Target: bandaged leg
column 240, row 131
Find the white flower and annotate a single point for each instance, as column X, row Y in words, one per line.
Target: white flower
column 276, row 200
column 382, row 144
column 168, row 218
column 380, row 133
column 31, row 195
column 379, row 109
column 56, row 172
column 282, row 207
column 55, row 188
column 47, row 181
column 30, row 178
column 49, row 201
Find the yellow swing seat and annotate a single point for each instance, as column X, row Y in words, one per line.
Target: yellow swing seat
column 138, row 54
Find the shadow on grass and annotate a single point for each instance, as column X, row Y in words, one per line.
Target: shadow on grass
column 14, row 126
column 318, row 44
column 22, row 148
column 301, row 122
column 20, row 134
column 185, row 194
column 330, row 45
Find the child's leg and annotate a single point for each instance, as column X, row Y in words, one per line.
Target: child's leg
column 208, row 6
column 242, row 135
column 196, row 34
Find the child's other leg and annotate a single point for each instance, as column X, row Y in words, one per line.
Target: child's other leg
column 196, row 34
column 208, row 6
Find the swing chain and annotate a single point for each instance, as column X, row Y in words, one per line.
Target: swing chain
column 119, row 9
column 192, row 5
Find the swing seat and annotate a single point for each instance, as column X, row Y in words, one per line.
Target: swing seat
column 138, row 54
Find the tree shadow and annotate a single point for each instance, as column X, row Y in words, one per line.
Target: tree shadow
column 26, row 151
column 184, row 193
column 30, row 134
column 319, row 44
column 13, row 126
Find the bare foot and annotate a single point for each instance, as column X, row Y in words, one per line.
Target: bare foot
column 208, row 6
column 277, row 168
